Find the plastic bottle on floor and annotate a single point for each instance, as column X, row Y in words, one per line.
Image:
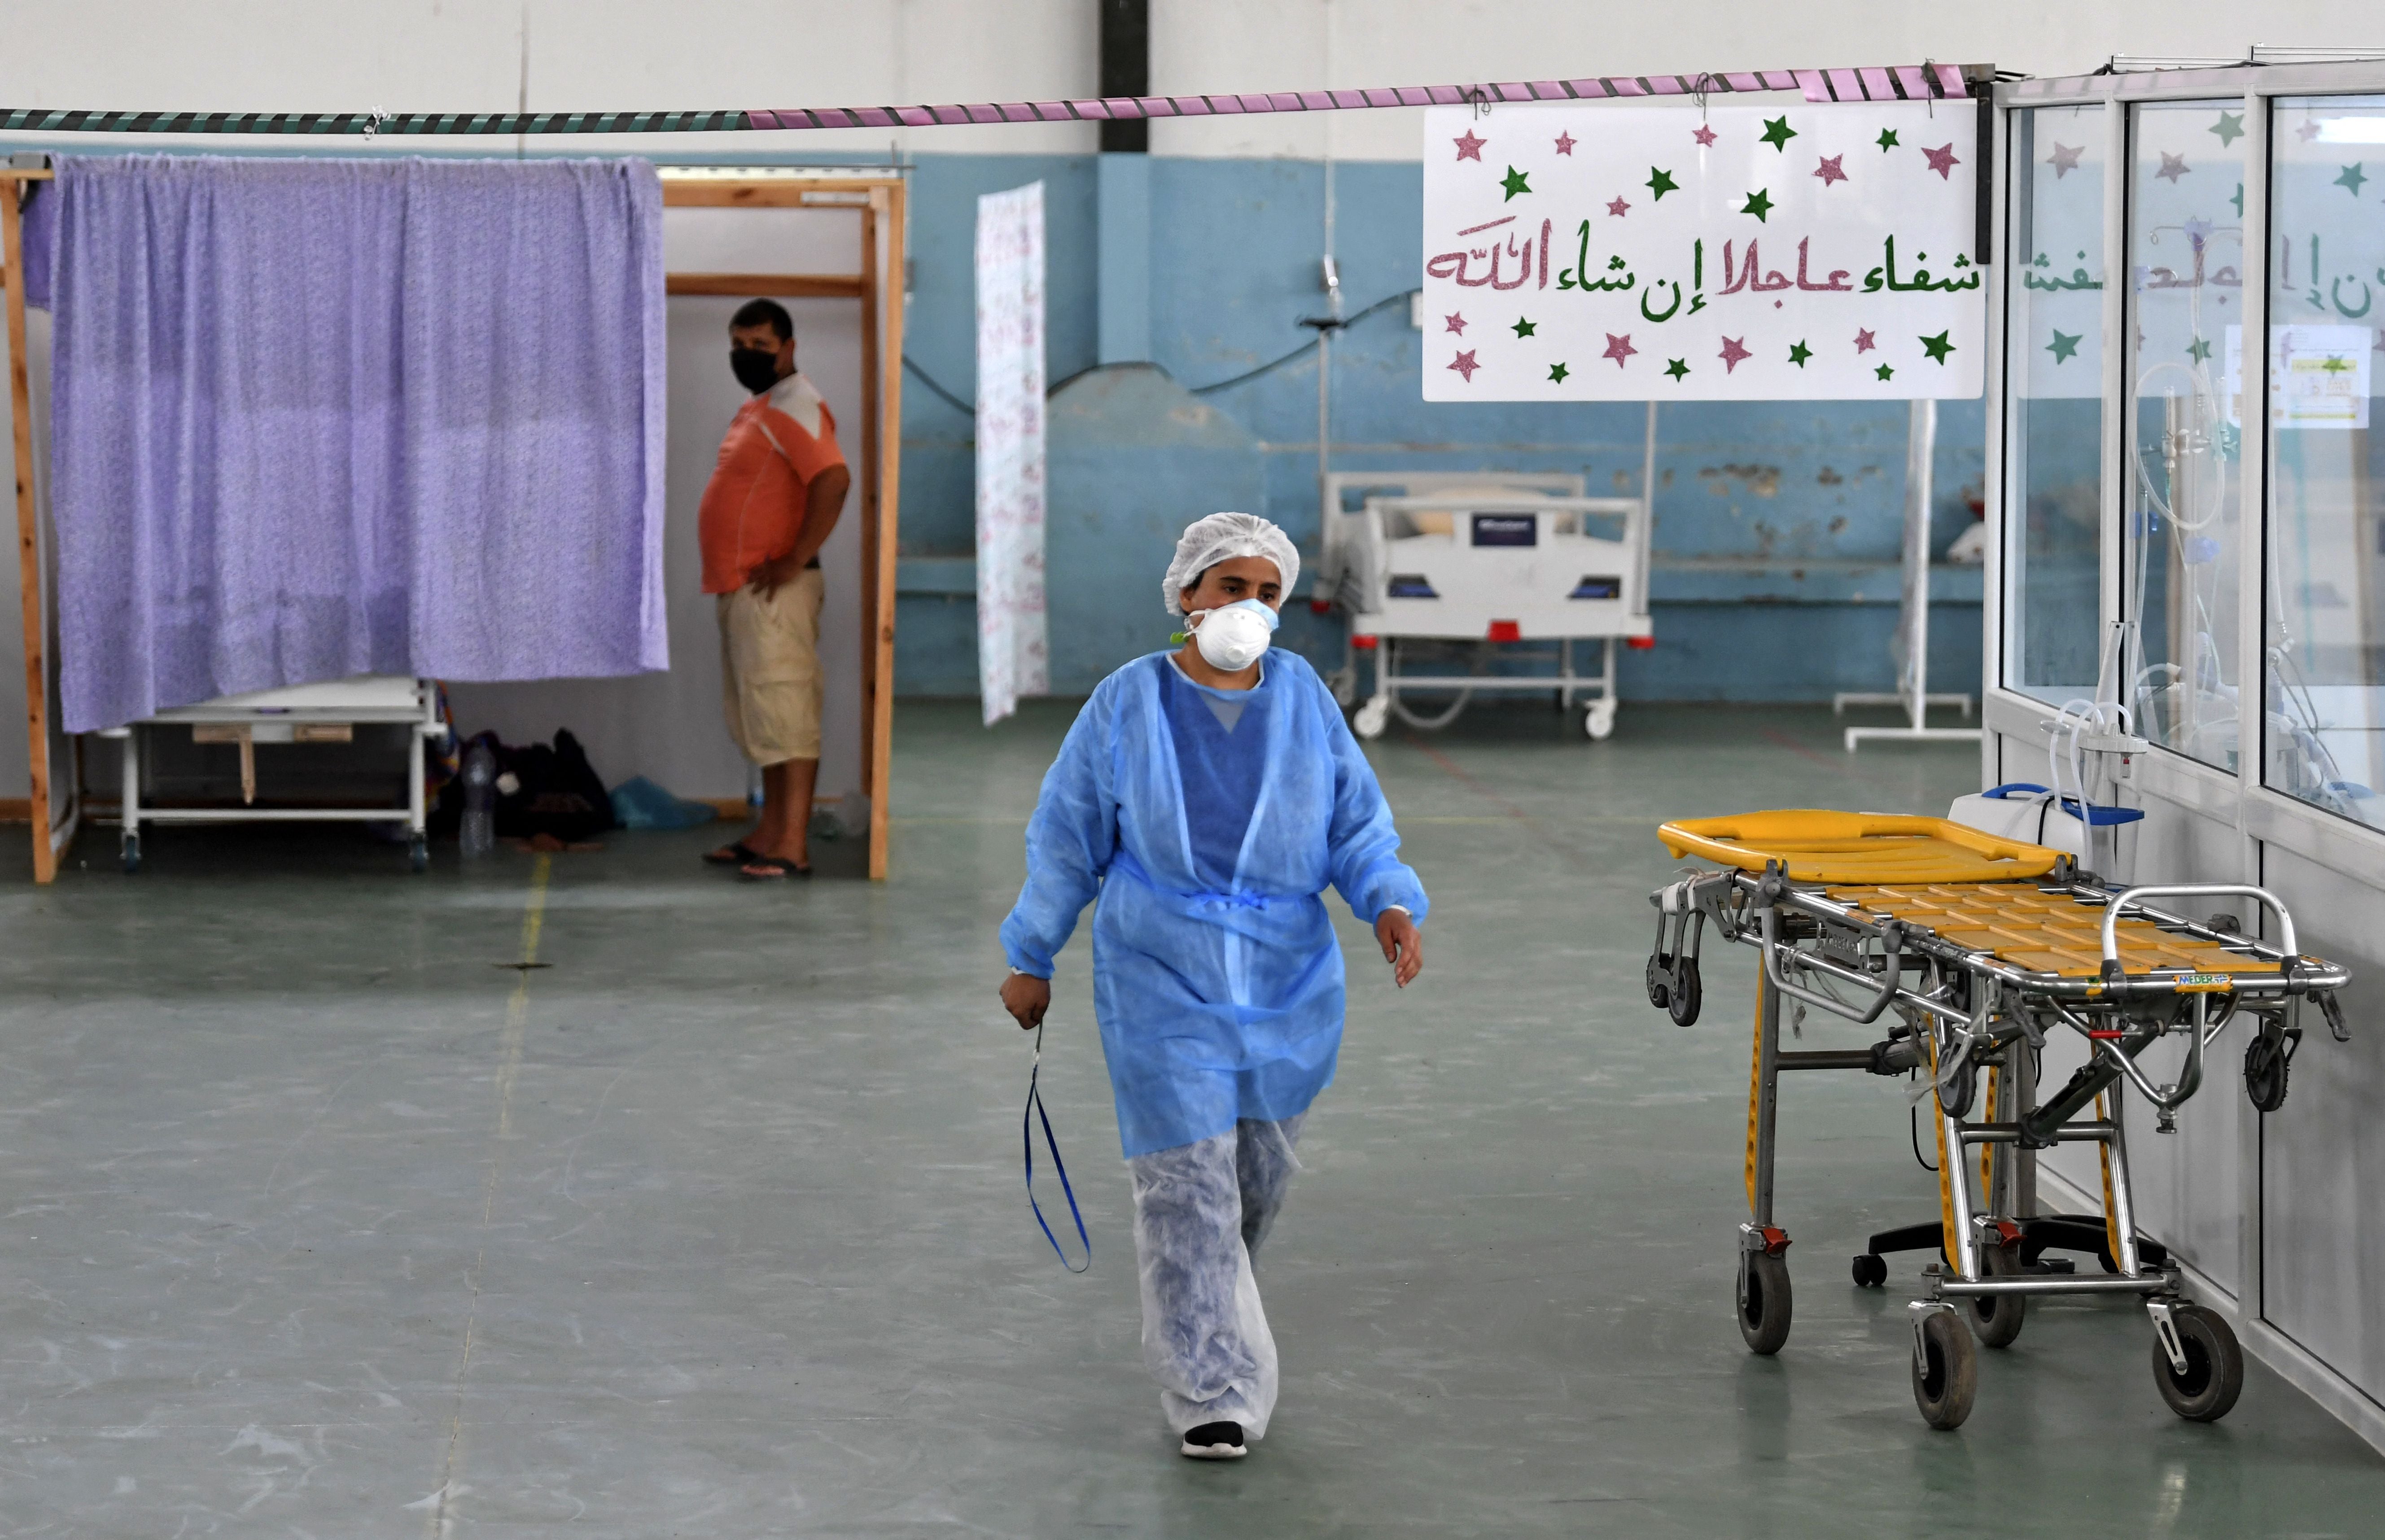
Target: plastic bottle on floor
column 478, row 835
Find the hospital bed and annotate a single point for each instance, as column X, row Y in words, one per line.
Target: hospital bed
column 1965, row 951
column 325, row 713
column 1487, row 567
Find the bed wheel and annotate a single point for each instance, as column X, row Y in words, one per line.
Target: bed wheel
column 1660, row 979
column 2215, row 1366
column 129, row 853
column 418, row 854
column 1870, row 1272
column 1373, row 717
column 1997, row 1317
column 2266, row 1060
column 1599, row 721
column 1945, row 1370
column 1686, row 992
column 1764, row 1301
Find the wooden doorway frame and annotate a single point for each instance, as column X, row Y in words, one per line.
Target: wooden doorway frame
column 877, row 197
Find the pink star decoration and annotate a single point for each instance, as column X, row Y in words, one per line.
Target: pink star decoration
column 1565, row 142
column 2065, row 159
column 1469, row 147
column 1732, row 352
column 1941, row 160
column 1618, row 348
column 1464, row 365
column 2172, row 167
column 2308, row 130
column 1864, row 343
column 1830, row 170
column 1703, row 134
column 1454, row 323
column 1618, row 209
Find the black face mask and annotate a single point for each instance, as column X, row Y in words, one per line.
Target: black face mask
column 754, row 369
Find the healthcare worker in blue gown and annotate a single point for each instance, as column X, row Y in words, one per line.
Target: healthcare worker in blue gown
column 1208, row 796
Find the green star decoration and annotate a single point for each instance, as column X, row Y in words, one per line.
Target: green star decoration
column 2351, row 177
column 1513, row 183
column 1799, row 353
column 1759, row 203
column 1885, row 372
column 2239, row 200
column 1523, row 328
column 1557, row 373
column 1677, row 369
column 2230, row 127
column 2064, row 345
column 2198, row 350
column 1662, row 182
column 1887, row 141
column 1777, row 133
column 1938, row 347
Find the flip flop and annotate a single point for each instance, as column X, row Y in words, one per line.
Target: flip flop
column 737, row 853
column 771, row 868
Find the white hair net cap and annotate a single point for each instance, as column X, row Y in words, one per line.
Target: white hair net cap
column 1222, row 537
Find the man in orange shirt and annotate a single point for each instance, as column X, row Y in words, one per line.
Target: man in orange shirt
column 771, row 503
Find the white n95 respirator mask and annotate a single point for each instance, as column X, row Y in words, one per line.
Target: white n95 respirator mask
column 1232, row 636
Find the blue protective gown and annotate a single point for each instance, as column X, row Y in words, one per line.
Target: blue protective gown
column 1219, row 996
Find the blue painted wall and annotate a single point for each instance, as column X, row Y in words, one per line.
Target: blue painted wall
column 1777, row 525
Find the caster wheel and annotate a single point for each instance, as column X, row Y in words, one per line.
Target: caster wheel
column 1686, row 992
column 1344, row 682
column 1997, row 1317
column 1956, row 1098
column 1870, row 1272
column 1373, row 717
column 2215, row 1366
column 131, row 854
column 1763, row 1303
column 1599, row 723
column 1660, row 979
column 2266, row 1060
column 418, row 854
column 1945, row 1370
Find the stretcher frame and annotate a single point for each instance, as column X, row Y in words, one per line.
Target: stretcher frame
column 1976, row 1014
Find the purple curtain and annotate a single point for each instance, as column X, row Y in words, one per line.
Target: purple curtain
column 314, row 418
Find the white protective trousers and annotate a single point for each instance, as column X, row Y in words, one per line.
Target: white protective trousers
column 1201, row 1211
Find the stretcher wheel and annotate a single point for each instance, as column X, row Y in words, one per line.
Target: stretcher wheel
column 1956, row 1096
column 129, row 853
column 1599, row 722
column 1345, row 686
column 1871, row 1270
column 1997, row 1317
column 1945, row 1370
column 2215, row 1366
column 1764, row 1302
column 1373, row 717
column 1686, row 991
column 418, row 854
column 1660, row 979
column 2266, row 1060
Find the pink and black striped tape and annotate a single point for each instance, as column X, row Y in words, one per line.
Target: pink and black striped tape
column 1901, row 82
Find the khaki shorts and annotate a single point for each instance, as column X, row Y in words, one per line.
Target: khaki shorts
column 770, row 669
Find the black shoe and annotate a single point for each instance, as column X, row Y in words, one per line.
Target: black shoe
column 1214, row 1441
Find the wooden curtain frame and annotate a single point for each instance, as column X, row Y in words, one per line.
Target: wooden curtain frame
column 879, row 202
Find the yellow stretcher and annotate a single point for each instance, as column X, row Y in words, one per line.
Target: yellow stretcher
column 1971, row 949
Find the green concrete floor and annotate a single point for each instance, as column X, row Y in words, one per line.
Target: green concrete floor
column 326, row 1221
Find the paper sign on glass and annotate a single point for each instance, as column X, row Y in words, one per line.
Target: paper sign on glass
column 1730, row 254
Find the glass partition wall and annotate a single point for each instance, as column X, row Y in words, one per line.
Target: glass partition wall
column 2182, row 488
column 2053, row 323
column 2324, row 587
column 2227, row 588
